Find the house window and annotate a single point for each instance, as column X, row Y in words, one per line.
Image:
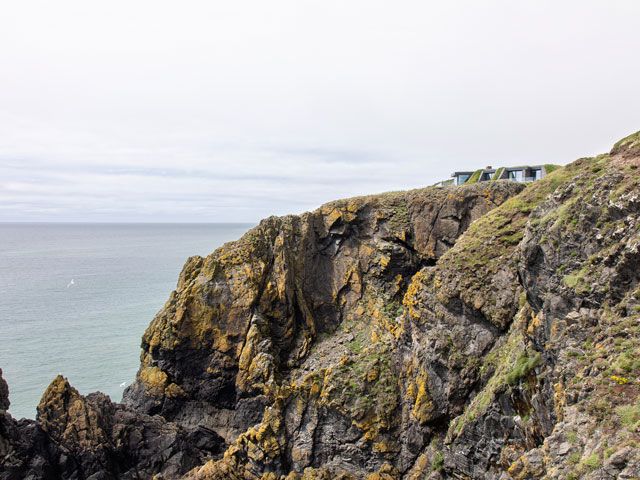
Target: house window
column 536, row 174
column 515, row 175
column 463, row 178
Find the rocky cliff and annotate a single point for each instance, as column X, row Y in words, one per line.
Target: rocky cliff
column 488, row 331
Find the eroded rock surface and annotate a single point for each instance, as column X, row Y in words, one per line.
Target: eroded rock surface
column 79, row 437
column 489, row 331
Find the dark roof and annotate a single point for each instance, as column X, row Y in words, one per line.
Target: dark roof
column 491, row 170
column 494, row 170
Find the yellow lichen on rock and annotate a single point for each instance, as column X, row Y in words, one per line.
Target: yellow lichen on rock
column 411, row 297
column 174, row 391
column 154, row 380
column 418, row 393
column 535, row 323
column 524, row 469
column 386, row 472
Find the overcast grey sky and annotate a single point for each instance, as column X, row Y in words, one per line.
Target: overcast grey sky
column 235, row 110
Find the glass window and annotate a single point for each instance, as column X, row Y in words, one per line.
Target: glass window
column 515, row 175
column 463, row 178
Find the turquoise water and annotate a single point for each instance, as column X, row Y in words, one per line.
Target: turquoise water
column 88, row 329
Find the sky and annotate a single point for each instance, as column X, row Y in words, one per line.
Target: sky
column 231, row 111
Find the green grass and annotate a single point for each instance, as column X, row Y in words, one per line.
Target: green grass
column 498, row 174
column 574, row 458
column 578, row 280
column 628, row 361
column 444, row 183
column 631, row 141
column 357, row 344
column 629, row 415
column 549, row 167
column 571, row 280
column 438, row 462
column 392, row 309
column 475, row 177
column 523, row 366
column 592, row 461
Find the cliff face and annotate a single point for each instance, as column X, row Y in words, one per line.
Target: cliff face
column 295, row 294
column 483, row 331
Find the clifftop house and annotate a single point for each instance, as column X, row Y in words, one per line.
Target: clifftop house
column 527, row 173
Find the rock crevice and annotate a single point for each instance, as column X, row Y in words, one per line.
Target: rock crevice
column 488, row 331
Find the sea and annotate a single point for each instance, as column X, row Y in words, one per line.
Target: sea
column 75, row 299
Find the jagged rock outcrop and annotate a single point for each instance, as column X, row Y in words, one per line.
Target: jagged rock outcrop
column 488, row 331
column 25, row 451
column 78, row 437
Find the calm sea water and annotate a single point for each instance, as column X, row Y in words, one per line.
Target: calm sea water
column 76, row 298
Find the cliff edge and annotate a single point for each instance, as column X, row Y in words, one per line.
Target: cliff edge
column 488, row 331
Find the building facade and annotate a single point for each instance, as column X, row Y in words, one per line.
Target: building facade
column 528, row 173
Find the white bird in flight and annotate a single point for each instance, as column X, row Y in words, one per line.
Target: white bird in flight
column 123, row 384
column 71, row 283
